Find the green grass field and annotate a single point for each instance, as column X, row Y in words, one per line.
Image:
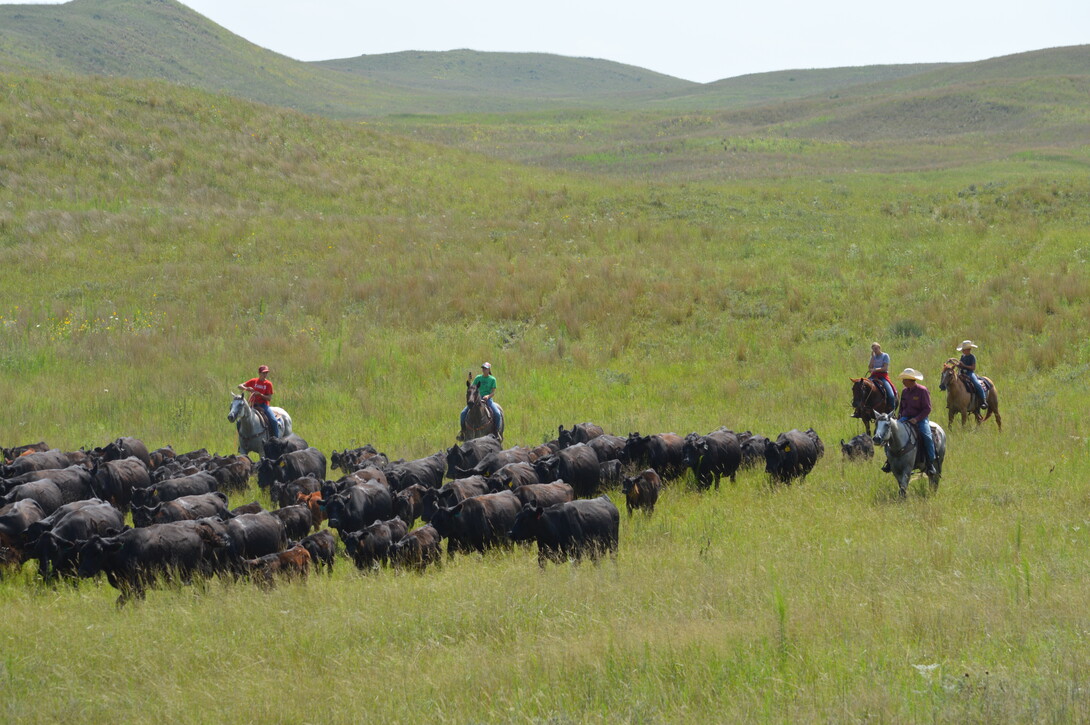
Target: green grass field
column 157, row 244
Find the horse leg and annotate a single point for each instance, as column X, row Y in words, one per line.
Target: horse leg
column 902, row 483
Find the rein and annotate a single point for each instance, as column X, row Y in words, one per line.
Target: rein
column 909, row 442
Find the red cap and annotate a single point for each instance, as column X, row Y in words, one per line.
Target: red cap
column 263, row 369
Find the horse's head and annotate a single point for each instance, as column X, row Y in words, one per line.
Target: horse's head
column 473, row 395
column 882, row 428
column 238, row 403
column 949, row 370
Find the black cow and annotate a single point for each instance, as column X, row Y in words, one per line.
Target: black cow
column 114, row 481
column 14, row 524
column 859, row 448
column 792, row 455
column 10, row 454
column 276, row 447
column 579, row 433
column 122, row 448
column 160, row 456
column 55, row 549
column 512, row 476
column 185, row 508
column 353, row 459
column 457, row 490
column 322, row 547
column 74, row 482
column 418, row 549
column 427, row 472
column 37, row 461
column 712, row 456
column 359, row 506
column 642, row 491
column 470, row 453
column 253, row 536
column 297, row 520
column 574, row 529
column 607, row 447
column 135, row 558
column 173, row 488
column 478, row 523
column 290, row 466
column 753, row 449
column 545, row 494
column 495, row 461
column 372, row 545
column 287, row 493
column 663, row 451
column 577, row 465
column 44, row 491
column 248, row 508
column 610, row 473
column 232, row 473
column 409, row 502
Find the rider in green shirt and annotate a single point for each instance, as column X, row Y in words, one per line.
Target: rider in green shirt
column 486, row 383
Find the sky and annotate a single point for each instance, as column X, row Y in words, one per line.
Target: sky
column 698, row 40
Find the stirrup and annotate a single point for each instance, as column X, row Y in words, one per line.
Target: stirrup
column 885, row 467
column 930, row 470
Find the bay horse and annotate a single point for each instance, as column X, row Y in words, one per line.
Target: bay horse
column 252, row 432
column 902, row 446
column 479, row 422
column 868, row 399
column 959, row 399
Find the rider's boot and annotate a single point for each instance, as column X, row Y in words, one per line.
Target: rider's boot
column 885, row 467
column 931, row 470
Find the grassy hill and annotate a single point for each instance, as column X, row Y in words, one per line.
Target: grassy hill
column 158, row 242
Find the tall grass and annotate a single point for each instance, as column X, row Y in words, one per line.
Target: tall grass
column 370, row 272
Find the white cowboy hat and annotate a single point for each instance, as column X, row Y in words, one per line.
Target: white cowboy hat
column 913, row 374
column 965, row 344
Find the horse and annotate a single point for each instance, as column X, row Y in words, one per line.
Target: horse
column 959, row 399
column 901, row 443
column 252, row 432
column 868, row 399
column 479, row 422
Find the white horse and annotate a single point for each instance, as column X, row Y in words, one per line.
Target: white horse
column 901, row 443
column 252, row 433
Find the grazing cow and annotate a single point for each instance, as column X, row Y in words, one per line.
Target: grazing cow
column 457, row 490
column 16, row 520
column 44, row 491
column 712, row 456
column 642, row 491
column 859, row 448
column 792, row 455
column 10, row 454
column 114, row 481
column 574, row 529
column 297, row 520
column 35, row 461
column 122, row 448
column 427, row 472
column 495, row 461
column 322, row 547
column 232, row 473
column 577, row 465
column 252, row 536
column 417, row 549
column 478, row 523
column 359, row 506
column 409, row 502
column 173, row 488
column 663, row 451
column 135, row 558
column 313, row 502
column 607, row 447
column 55, row 548
column 512, row 476
column 276, row 447
column 291, row 563
column 470, row 453
column 371, row 546
column 290, row 466
column 610, row 473
column 544, row 494
column 753, row 449
column 579, row 433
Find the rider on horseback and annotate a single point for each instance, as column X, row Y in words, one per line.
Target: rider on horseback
column 967, row 363
column 915, row 407
column 486, row 386
column 879, row 373
column 261, row 390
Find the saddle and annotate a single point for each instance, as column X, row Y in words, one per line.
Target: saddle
column 264, row 418
column 914, row 440
column 968, row 384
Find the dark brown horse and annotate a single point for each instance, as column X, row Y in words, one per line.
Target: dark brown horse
column 959, row 399
column 479, row 420
column 868, row 399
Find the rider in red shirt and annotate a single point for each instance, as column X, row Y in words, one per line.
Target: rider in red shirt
column 261, row 390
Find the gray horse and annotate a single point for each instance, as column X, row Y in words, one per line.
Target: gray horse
column 900, row 445
column 252, row 433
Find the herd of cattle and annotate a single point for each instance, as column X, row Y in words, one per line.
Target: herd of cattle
column 68, row 510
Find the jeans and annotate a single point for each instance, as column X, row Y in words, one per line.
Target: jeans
column 274, row 427
column 891, row 397
column 976, row 384
column 924, row 427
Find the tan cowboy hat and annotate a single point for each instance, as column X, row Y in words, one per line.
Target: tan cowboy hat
column 965, row 344
column 913, row 374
